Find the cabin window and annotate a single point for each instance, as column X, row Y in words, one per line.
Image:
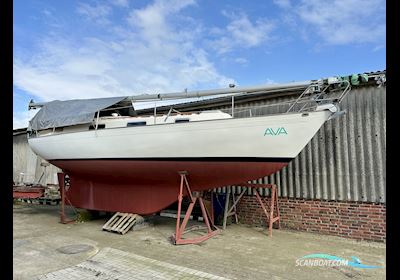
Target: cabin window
column 100, row 126
column 181, row 120
column 129, row 124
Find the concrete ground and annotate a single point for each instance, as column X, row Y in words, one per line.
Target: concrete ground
column 46, row 249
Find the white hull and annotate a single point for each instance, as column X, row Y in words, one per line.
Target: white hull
column 242, row 137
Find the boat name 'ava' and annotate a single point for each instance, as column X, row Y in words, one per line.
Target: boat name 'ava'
column 273, row 132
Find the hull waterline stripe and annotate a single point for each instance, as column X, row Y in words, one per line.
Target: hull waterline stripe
column 201, row 159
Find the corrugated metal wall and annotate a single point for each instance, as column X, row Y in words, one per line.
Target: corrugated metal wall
column 346, row 159
column 25, row 161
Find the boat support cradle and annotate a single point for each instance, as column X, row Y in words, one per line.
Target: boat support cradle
column 271, row 219
column 64, row 185
column 180, row 230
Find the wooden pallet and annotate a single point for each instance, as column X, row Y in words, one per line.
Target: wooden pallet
column 120, row 222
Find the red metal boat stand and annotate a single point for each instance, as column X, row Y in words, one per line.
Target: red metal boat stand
column 181, row 228
column 63, row 187
column 273, row 205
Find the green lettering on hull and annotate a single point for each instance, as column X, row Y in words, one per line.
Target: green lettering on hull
column 274, row 132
